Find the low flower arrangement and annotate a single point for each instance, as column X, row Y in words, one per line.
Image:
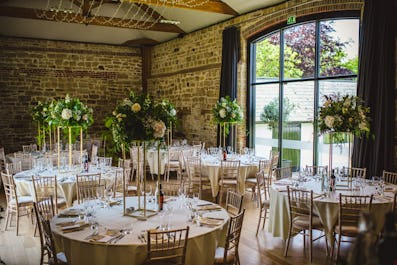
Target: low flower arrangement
column 344, row 114
column 139, row 117
column 227, row 111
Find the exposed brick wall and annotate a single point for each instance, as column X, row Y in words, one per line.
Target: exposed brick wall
column 33, row 70
column 187, row 70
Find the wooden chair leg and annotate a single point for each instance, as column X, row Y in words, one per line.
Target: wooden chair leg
column 259, row 221
column 288, row 239
column 264, row 219
column 17, row 216
column 6, row 221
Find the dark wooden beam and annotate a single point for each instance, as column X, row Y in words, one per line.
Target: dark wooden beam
column 21, row 12
column 141, row 42
column 215, row 6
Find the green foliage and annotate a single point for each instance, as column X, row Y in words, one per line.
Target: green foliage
column 343, row 114
column 270, row 113
column 267, row 61
column 299, row 53
column 139, row 117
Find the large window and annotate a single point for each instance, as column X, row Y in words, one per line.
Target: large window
column 291, row 70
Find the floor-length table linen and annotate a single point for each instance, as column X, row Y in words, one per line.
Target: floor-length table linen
column 130, row 249
column 326, row 206
column 66, row 180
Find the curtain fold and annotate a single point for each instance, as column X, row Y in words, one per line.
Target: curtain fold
column 376, row 84
column 230, row 59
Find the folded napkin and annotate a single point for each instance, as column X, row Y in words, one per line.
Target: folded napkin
column 70, row 213
column 75, row 227
column 211, row 221
column 65, row 224
column 104, row 238
column 212, row 207
column 111, row 203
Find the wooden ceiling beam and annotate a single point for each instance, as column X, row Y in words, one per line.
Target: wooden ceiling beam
column 215, row 6
column 29, row 13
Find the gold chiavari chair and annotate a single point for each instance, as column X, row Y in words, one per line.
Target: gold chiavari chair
column 13, row 168
column 44, row 211
column 2, row 160
column 89, row 186
column 350, row 207
column 316, row 170
column 46, row 186
column 173, row 164
column 230, row 171
column 282, row 172
column 234, row 202
column 105, row 161
column 229, row 254
column 302, row 218
column 167, row 247
column 173, row 188
column 263, row 166
column 16, row 204
column 196, row 180
column 389, row 177
column 263, row 187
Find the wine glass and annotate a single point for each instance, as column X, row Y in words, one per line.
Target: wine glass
column 148, row 193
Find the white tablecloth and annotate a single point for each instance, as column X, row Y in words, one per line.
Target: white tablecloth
column 130, row 249
column 327, row 207
column 212, row 169
column 66, row 181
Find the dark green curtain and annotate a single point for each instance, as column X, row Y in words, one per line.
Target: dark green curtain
column 376, row 84
column 230, row 58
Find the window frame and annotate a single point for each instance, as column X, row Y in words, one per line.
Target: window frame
column 251, row 73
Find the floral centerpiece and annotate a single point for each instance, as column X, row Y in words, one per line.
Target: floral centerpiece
column 343, row 114
column 40, row 114
column 139, row 117
column 70, row 112
column 227, row 111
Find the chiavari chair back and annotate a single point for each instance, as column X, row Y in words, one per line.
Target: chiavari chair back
column 389, row 177
column 302, row 217
column 230, row 172
column 167, row 246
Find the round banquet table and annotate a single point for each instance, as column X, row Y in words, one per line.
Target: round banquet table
column 131, row 249
column 326, row 205
column 66, row 180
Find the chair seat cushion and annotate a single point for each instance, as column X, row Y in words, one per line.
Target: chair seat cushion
column 23, row 200
column 347, row 230
column 132, row 188
column 251, row 180
column 219, row 255
column 228, row 182
column 303, row 222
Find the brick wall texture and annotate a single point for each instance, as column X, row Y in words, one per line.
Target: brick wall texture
column 33, row 70
column 185, row 70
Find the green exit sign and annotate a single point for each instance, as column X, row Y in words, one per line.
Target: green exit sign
column 291, row 20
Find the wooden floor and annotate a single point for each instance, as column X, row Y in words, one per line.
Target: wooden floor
column 263, row 249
